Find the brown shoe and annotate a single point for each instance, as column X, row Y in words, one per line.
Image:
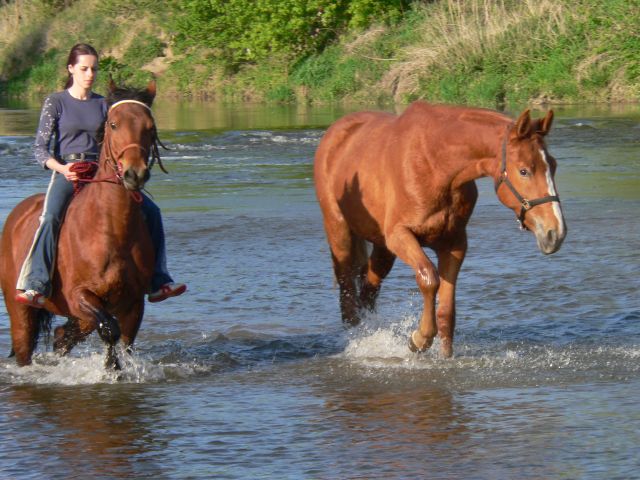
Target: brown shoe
column 167, row 290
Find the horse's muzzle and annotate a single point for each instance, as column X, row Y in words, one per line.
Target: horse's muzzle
column 550, row 241
column 134, row 180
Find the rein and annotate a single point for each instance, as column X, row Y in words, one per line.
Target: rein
column 525, row 204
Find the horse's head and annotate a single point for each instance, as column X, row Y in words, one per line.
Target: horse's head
column 130, row 134
column 525, row 182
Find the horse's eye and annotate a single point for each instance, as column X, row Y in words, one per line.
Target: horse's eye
column 113, row 125
column 524, row 172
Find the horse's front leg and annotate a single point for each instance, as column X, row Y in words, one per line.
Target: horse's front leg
column 402, row 242
column 449, row 263
column 130, row 323
column 88, row 308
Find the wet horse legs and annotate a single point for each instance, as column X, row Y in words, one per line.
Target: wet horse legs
column 345, row 250
column 24, row 331
column 345, row 275
column 378, row 267
column 89, row 314
column 129, row 325
column 403, row 243
column 449, row 263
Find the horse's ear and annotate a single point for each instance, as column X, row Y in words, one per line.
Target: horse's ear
column 523, row 124
column 544, row 125
column 151, row 89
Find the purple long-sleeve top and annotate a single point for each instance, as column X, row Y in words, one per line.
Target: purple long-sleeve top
column 68, row 125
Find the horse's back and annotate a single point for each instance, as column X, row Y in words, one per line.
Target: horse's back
column 17, row 237
column 346, row 138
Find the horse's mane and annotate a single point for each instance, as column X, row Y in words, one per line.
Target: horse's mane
column 117, row 94
column 126, row 93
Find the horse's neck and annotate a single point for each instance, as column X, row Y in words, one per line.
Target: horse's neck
column 106, row 167
column 481, row 153
column 112, row 207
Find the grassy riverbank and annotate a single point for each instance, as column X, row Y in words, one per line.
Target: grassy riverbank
column 477, row 52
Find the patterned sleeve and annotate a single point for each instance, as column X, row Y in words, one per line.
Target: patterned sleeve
column 46, row 130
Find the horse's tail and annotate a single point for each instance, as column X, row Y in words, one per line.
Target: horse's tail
column 44, row 319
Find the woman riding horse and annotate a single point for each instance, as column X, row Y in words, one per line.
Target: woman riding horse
column 72, row 118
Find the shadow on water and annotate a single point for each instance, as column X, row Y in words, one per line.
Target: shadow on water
column 89, row 430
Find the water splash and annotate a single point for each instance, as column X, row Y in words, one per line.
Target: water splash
column 88, row 369
column 482, row 360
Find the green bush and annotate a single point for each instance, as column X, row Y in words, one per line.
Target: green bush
column 280, row 94
column 144, row 48
column 250, row 30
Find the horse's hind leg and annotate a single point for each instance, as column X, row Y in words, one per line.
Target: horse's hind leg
column 344, row 249
column 68, row 336
column 378, row 267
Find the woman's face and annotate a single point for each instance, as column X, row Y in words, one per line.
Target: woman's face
column 85, row 70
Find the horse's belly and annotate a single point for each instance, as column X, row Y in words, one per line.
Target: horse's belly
column 364, row 223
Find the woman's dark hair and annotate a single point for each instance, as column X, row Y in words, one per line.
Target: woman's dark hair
column 77, row 50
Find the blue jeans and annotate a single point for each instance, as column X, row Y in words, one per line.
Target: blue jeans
column 38, row 266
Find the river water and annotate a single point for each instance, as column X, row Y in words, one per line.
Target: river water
column 251, row 374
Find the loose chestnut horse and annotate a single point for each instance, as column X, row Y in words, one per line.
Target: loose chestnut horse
column 407, row 182
column 105, row 256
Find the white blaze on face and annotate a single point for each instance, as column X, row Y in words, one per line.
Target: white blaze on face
column 552, row 192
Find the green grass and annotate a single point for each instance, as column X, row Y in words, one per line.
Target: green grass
column 477, row 52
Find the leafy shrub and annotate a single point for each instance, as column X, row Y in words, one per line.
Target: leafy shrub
column 249, row 30
column 142, row 50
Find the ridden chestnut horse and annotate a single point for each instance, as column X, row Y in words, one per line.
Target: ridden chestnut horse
column 105, row 256
column 406, row 182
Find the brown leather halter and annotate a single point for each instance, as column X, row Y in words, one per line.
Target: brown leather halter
column 525, row 204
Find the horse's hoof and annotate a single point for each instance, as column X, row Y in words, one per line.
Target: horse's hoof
column 446, row 348
column 112, row 362
column 113, row 365
column 413, row 345
column 351, row 322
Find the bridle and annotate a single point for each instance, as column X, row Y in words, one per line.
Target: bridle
column 525, row 204
column 86, row 170
column 155, row 141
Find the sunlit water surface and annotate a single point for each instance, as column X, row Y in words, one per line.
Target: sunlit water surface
column 251, row 375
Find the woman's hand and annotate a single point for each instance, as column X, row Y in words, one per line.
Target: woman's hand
column 65, row 169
